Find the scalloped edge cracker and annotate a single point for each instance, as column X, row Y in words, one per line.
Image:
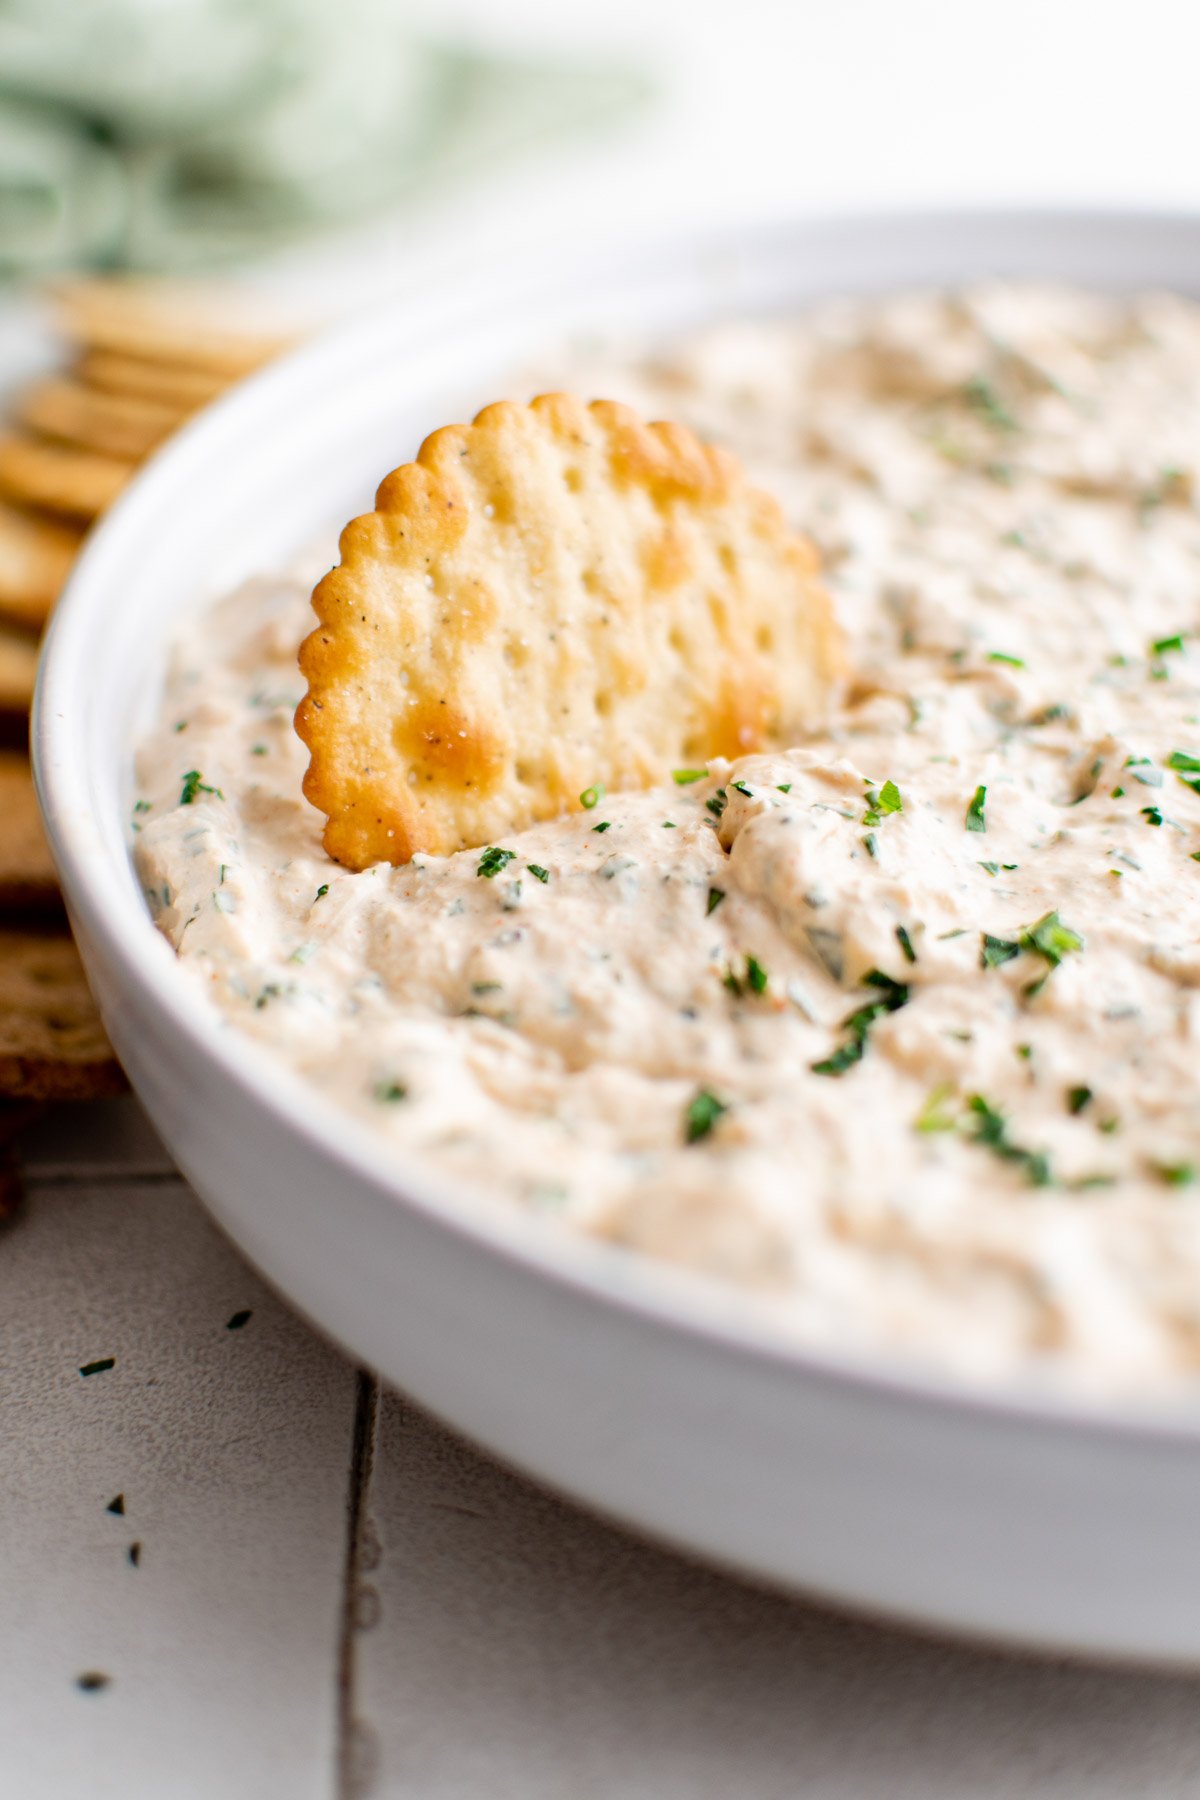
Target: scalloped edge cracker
column 28, row 879
column 121, row 425
column 42, row 473
column 553, row 596
column 35, row 558
column 52, row 1044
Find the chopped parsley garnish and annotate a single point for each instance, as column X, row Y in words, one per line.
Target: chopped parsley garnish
column 756, row 975
column 239, row 1319
column 592, row 796
column 388, row 1091
column 321, row 892
column 604, row 825
column 668, row 825
column 1077, row 1099
column 997, row 950
column 783, row 787
column 893, row 995
column 975, row 820
column 493, row 860
column 1152, row 815
column 870, row 844
column 880, row 804
column 116, row 1505
column 717, row 804
column 193, row 785
column 1184, row 761
column 1051, row 939
column 701, row 1114
column 1175, row 1174
column 990, row 1129
column 1011, row 662
column 1161, row 646
column 537, row 871
column 986, row 404
column 741, row 788
column 933, row 1115
column 685, row 777
column 905, row 943
column 258, row 750
column 99, row 1366
column 715, row 897
column 143, row 806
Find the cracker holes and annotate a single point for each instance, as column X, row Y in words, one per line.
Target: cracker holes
column 573, row 479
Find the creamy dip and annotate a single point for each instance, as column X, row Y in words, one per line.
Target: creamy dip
column 898, row 1029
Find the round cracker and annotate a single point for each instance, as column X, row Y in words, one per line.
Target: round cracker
column 169, row 384
column 110, row 424
column 52, row 1044
column 60, row 479
column 556, row 595
column 28, row 881
column 166, row 322
column 35, row 557
column 18, row 671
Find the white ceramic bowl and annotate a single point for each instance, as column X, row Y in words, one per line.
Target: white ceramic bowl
column 638, row 1390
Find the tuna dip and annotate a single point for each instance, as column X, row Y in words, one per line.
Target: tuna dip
column 897, row 1030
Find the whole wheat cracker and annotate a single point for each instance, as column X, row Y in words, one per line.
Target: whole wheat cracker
column 28, row 882
column 163, row 321
column 59, row 479
column 110, row 424
column 168, row 383
column 35, row 556
column 52, row 1044
column 556, row 595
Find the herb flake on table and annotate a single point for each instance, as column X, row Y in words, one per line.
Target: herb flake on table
column 238, row 1319
column 101, row 1364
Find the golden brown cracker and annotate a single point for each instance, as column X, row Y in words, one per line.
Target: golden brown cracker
column 77, row 483
column 35, row 556
column 28, row 882
column 110, row 424
column 18, row 670
column 554, row 596
column 52, row 1044
column 168, row 384
column 163, row 321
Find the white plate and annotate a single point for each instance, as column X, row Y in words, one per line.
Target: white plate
column 642, row 1391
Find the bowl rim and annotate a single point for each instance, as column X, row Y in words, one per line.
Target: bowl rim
column 687, row 1303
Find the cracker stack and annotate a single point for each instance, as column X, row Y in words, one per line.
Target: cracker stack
column 142, row 358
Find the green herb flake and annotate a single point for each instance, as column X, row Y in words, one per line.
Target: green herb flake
column 493, row 860
column 387, row 1092
column 668, row 825
column 685, row 777
column 975, row 820
column 715, row 897
column 981, row 396
column 934, row 1115
column 739, row 787
column 870, row 844
column 1077, row 1099
column 592, row 796
column 143, row 806
column 1152, row 815
column 990, row 868
column 258, row 750
column 116, row 1505
column 193, row 785
column 889, row 798
column 604, row 825
column 783, row 787
column 537, row 871
column 701, row 1114
column 756, row 975
column 1184, row 761
column 321, row 892
column 99, row 1366
column 1010, row 662
column 893, row 995
column 1118, row 793
column 1175, row 1174
column 1165, row 645
column 989, row 1128
column 997, row 951
column 717, row 804
column 906, row 944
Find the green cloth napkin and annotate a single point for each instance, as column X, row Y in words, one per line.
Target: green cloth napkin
column 180, row 133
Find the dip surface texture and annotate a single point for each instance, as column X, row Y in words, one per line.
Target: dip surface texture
column 899, row 1030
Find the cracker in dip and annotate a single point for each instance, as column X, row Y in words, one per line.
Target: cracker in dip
column 897, row 1030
